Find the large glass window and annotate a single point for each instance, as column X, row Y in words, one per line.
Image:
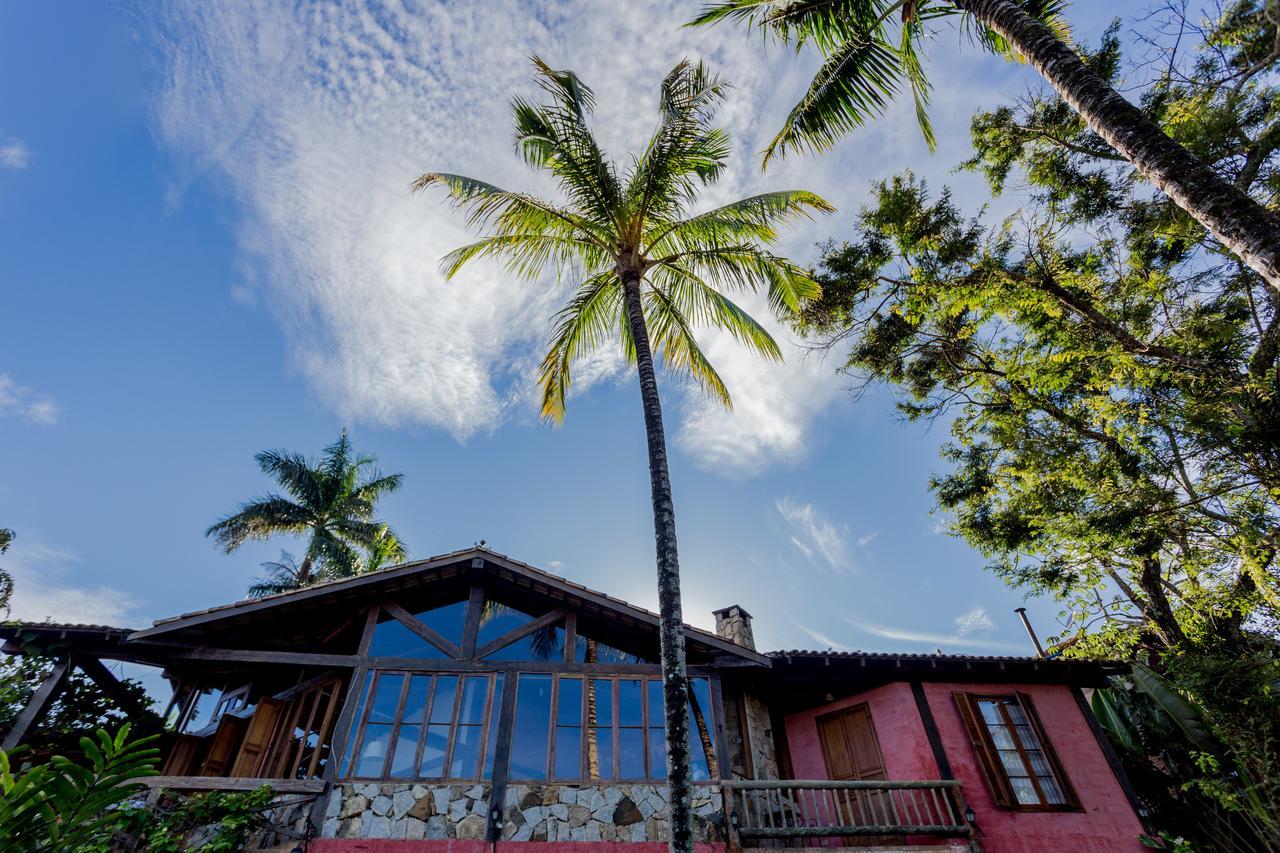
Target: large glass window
column 604, row 729
column 425, row 726
column 393, row 639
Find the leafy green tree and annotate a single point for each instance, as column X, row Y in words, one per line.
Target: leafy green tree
column 872, row 49
column 6, row 580
column 1111, row 377
column 648, row 270
column 80, row 707
column 333, row 501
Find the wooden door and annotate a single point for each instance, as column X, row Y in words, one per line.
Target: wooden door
column 257, row 738
column 852, row 753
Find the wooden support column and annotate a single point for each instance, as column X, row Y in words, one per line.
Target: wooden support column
column 471, row 628
column 138, row 713
column 931, row 731
column 501, row 758
column 40, row 701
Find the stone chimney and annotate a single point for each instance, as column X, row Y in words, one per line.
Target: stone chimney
column 734, row 624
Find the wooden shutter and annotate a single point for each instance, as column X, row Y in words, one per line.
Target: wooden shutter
column 1060, row 773
column 257, row 738
column 222, row 748
column 988, row 759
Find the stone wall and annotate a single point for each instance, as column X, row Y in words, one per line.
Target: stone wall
column 531, row 812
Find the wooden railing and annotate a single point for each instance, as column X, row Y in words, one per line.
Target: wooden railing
column 799, row 812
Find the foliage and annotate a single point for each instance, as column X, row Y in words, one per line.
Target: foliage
column 6, row 580
column 332, row 500
column 79, row 708
column 870, row 51
column 222, row 821
column 641, row 221
column 66, row 806
column 1111, row 374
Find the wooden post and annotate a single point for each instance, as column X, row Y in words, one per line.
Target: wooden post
column 501, row 758
column 40, row 701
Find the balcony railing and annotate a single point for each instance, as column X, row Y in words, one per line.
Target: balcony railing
column 800, row 812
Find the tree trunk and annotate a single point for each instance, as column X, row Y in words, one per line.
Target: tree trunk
column 304, row 571
column 1241, row 224
column 593, row 746
column 675, row 681
column 704, row 732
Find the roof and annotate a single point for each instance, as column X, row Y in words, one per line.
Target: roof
column 372, row 580
column 807, row 665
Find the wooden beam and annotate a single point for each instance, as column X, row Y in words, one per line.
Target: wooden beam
column 471, row 629
column 523, row 631
column 1109, row 752
column 225, row 783
column 266, row 656
column 931, row 731
column 501, row 760
column 111, row 685
column 426, row 632
column 39, row 703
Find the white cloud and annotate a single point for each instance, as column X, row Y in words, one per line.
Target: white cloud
column 867, row 538
column 45, row 587
column 818, row 637
column 813, row 534
column 317, row 117
column 14, row 153
column 950, row 643
column 22, row 402
column 975, row 621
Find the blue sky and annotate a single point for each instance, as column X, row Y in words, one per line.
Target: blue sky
column 207, row 248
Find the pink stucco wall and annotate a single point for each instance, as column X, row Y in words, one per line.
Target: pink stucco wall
column 1107, row 822
column 386, row 845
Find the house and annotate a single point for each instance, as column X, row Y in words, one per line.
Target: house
column 471, row 699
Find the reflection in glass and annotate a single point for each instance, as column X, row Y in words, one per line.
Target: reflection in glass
column 447, row 621
column 701, row 742
column 568, row 752
column 415, row 702
column 373, row 752
column 466, row 753
column 404, row 761
column 393, row 639
column 442, row 702
column 631, row 753
column 474, row 689
column 433, row 752
column 495, row 711
column 386, row 699
column 592, row 651
column 600, row 723
column 531, row 730
column 630, row 709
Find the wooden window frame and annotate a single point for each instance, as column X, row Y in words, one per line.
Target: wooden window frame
column 360, row 726
column 993, row 771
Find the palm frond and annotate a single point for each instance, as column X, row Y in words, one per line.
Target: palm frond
column 674, row 342
column 294, row 473
column 259, row 519
column 703, row 305
column 749, row 268
column 525, row 255
column 755, row 218
column 580, row 327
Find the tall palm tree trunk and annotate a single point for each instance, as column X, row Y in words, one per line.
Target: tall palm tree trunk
column 1241, row 224
column 675, row 681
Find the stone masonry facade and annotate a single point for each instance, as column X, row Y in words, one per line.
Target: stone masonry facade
column 532, row 812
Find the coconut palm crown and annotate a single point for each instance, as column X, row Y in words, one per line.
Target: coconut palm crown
column 332, row 500
column 648, row 269
column 635, row 224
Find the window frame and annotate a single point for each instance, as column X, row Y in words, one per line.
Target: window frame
column 361, row 725
column 999, row 783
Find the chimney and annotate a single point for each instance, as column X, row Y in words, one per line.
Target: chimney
column 734, row 624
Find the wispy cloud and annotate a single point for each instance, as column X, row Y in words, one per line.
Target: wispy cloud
column 47, row 586
column 822, row 640
column 22, row 402
column 975, row 621
column 867, row 538
column 815, row 535
column 956, row 642
column 14, row 153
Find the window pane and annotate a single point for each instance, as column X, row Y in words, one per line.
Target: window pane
column 700, row 727
column 442, row 702
column 531, row 730
column 600, row 703
column 495, row 711
column 569, row 709
column 475, row 689
column 1001, row 737
column 631, row 753
column 591, row 651
column 377, row 738
column 404, row 762
column 657, row 754
column 990, row 711
column 466, row 752
column 656, row 717
column 1016, row 713
column 433, row 752
column 415, row 703
column 355, row 723
column 630, row 711
column 1012, row 762
column 1039, row 766
column 393, row 640
column 1052, row 793
column 447, row 621
column 568, row 752
column 546, row 643
column 1027, row 737
column 600, row 754
column 497, row 619
column 1024, row 791
column 386, row 699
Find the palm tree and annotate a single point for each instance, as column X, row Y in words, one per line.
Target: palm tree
column 648, row 269
column 6, row 580
column 331, row 499
column 870, row 50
